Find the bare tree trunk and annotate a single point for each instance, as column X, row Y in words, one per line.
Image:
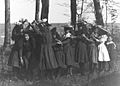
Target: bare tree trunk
column 106, row 2
column 37, row 10
column 7, row 24
column 45, row 9
column 98, row 12
column 82, row 8
column 73, row 13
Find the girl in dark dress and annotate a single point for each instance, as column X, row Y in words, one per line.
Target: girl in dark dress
column 58, row 50
column 93, row 49
column 81, row 55
column 15, row 59
column 68, row 50
column 47, row 57
column 111, row 46
column 28, row 49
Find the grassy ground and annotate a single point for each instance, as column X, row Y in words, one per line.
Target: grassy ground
column 75, row 80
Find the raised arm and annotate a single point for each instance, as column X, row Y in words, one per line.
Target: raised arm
column 37, row 29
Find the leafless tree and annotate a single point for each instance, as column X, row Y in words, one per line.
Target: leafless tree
column 98, row 12
column 7, row 24
column 73, row 12
column 45, row 9
column 37, row 10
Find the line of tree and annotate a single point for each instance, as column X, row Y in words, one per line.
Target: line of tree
column 98, row 12
column 45, row 13
column 37, row 10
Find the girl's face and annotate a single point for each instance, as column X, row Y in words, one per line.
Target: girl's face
column 67, row 31
column 25, row 25
column 96, row 30
column 27, row 37
column 54, row 36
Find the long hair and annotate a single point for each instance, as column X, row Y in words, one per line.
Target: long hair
column 16, row 31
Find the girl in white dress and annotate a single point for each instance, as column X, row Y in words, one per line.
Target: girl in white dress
column 103, row 55
column 103, row 52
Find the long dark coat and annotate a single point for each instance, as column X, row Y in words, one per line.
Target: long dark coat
column 68, row 52
column 92, row 49
column 81, row 54
column 47, row 56
column 17, row 50
column 16, row 53
column 58, row 50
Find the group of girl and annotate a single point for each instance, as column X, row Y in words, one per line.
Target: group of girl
column 39, row 50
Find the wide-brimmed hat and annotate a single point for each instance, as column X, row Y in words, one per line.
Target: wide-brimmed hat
column 67, row 28
column 47, row 24
column 53, row 29
column 103, row 29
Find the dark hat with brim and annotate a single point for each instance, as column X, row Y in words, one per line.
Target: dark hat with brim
column 102, row 30
column 47, row 24
column 67, row 28
column 53, row 29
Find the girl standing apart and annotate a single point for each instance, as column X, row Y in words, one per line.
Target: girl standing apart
column 103, row 55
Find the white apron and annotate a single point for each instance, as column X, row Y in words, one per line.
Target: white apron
column 103, row 52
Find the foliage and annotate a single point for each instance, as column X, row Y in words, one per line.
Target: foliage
column 88, row 7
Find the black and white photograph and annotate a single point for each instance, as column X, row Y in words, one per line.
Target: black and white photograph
column 59, row 42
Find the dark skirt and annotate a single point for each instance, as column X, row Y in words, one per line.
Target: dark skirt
column 14, row 59
column 93, row 53
column 111, row 51
column 60, row 57
column 69, row 55
column 47, row 58
column 81, row 54
column 26, row 57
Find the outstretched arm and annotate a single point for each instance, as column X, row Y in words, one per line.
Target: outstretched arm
column 67, row 40
column 86, row 38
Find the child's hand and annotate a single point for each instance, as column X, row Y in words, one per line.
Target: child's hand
column 115, row 48
column 73, row 37
column 59, row 42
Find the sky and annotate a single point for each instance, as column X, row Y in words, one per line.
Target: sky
column 26, row 9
